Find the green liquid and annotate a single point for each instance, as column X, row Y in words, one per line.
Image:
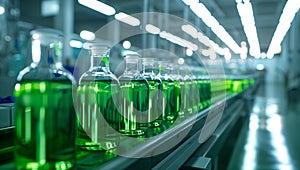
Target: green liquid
column 177, row 99
column 134, row 107
column 98, row 115
column 201, row 93
column 228, row 84
column 183, row 99
column 237, row 86
column 252, row 81
column 190, row 96
column 155, row 105
column 195, row 96
column 204, row 87
column 245, row 84
column 45, row 125
column 169, row 101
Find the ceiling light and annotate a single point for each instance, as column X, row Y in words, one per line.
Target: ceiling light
column 244, row 51
column 247, row 19
column 87, row 35
column 263, row 55
column 76, row 44
column 209, row 43
column 2, row 10
column 98, row 6
column 180, row 61
column 202, row 12
column 189, row 29
column 212, row 54
column 227, row 54
column 188, row 52
column 127, row 19
column 205, row 53
column 177, row 40
column 152, row 29
column 203, row 39
column 289, row 11
column 50, row 7
column 126, row 44
column 260, row 67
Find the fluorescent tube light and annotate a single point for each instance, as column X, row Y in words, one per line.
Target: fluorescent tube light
column 227, row 54
column 2, row 10
column 189, row 29
column 87, row 35
column 98, row 6
column 179, row 41
column 247, row 18
column 76, row 44
column 202, row 12
column 289, row 11
column 127, row 19
column 152, row 29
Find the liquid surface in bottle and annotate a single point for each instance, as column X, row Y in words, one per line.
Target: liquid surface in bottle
column 45, row 125
column 98, row 115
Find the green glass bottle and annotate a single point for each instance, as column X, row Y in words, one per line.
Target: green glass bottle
column 207, row 91
column 155, row 95
column 168, row 88
column 96, row 102
column 45, row 116
column 237, row 85
column 179, row 90
column 133, row 98
column 200, row 87
column 188, row 96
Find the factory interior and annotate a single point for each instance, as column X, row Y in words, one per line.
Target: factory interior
column 150, row 84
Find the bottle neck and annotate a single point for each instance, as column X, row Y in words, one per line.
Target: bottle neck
column 49, row 54
column 148, row 68
column 99, row 62
column 131, row 67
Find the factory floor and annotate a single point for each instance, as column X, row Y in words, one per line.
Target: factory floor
column 270, row 140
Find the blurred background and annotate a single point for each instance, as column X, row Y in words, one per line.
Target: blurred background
column 264, row 38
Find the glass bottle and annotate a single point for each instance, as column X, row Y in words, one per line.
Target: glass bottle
column 97, row 100
column 155, row 106
column 179, row 87
column 194, row 91
column 134, row 98
column 177, row 96
column 168, row 89
column 45, row 116
column 207, row 90
column 187, row 86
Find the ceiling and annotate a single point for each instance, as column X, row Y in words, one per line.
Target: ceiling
column 266, row 12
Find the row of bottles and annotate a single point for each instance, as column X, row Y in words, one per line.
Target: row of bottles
column 238, row 85
column 55, row 114
column 136, row 102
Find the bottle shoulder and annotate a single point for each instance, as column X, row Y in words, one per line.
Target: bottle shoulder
column 97, row 76
column 36, row 73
